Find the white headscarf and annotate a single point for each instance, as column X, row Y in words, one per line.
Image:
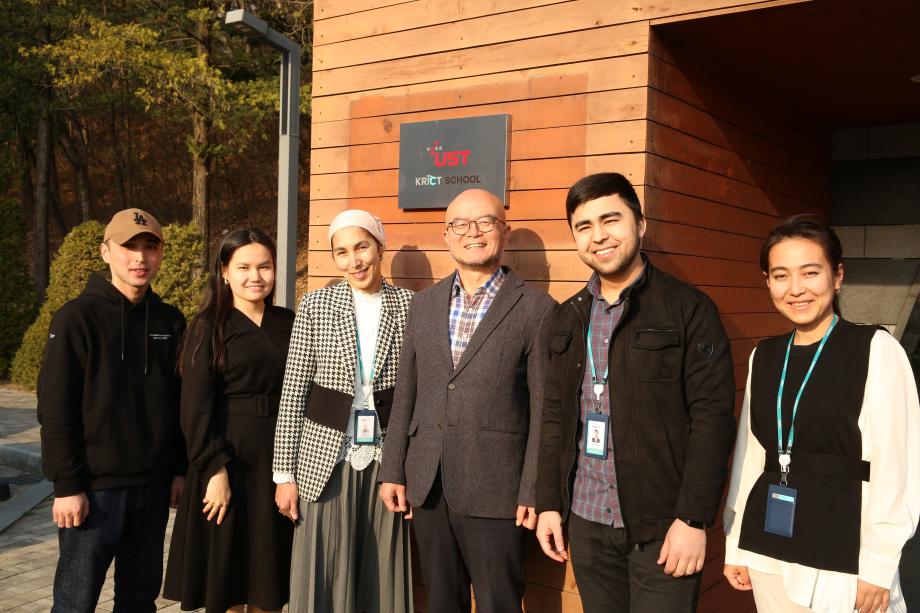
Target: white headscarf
column 360, row 219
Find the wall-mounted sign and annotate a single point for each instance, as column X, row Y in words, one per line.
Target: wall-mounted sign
column 440, row 159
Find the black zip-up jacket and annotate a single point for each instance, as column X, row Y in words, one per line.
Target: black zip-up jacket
column 672, row 399
column 108, row 392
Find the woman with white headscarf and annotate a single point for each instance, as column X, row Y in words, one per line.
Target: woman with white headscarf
column 350, row 555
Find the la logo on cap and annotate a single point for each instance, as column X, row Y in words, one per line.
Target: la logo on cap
column 139, row 219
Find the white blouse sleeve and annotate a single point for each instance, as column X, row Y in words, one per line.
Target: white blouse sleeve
column 747, row 465
column 892, row 446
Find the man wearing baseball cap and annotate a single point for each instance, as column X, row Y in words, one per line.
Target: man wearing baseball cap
column 109, row 413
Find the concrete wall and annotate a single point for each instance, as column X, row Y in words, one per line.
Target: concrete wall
column 875, row 206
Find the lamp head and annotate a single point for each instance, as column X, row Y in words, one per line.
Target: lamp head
column 244, row 22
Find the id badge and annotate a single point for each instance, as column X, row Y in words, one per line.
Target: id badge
column 596, row 436
column 365, row 427
column 780, row 516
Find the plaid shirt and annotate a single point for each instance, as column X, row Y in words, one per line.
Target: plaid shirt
column 467, row 311
column 595, row 496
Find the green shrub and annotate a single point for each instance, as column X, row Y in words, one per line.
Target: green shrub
column 71, row 268
column 179, row 283
column 20, row 300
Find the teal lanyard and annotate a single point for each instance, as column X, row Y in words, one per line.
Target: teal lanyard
column 785, row 456
column 598, row 385
column 366, row 383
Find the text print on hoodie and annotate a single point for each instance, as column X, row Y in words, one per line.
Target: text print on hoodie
column 108, row 392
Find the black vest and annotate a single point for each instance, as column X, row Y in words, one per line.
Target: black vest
column 827, row 470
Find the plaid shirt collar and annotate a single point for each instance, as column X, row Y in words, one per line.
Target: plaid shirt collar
column 594, row 286
column 489, row 288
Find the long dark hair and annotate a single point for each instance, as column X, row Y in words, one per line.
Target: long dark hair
column 809, row 228
column 217, row 302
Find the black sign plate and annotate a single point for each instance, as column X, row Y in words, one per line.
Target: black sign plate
column 439, row 159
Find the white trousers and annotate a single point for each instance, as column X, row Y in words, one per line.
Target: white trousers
column 770, row 595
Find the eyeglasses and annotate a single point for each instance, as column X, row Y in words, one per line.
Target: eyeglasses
column 484, row 224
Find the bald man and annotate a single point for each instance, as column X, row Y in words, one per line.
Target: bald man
column 461, row 449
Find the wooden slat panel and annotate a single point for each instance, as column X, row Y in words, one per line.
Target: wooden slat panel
column 450, row 35
column 687, row 149
column 681, row 208
column 740, row 299
column 324, row 9
column 339, row 20
column 742, row 348
column 681, row 116
column 689, row 240
column 572, row 110
column 530, row 84
column 748, row 325
column 685, row 179
column 527, row 174
column 707, row 271
column 611, row 41
column 567, row 141
column 385, row 16
column 792, row 132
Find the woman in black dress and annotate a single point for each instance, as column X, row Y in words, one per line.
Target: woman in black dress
column 230, row 546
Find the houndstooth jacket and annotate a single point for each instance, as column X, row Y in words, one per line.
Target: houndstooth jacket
column 319, row 381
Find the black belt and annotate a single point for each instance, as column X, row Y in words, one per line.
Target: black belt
column 822, row 464
column 259, row 405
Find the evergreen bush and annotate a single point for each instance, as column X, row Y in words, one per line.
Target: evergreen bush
column 20, row 300
column 77, row 258
column 179, row 282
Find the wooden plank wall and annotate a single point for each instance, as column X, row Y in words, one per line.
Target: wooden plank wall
column 720, row 173
column 586, row 93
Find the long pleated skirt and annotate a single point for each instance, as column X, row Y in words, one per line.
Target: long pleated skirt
column 350, row 554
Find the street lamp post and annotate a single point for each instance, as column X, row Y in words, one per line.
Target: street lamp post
column 248, row 24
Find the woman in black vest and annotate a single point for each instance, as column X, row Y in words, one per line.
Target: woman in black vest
column 825, row 486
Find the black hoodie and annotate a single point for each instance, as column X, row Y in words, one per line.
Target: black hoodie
column 108, row 392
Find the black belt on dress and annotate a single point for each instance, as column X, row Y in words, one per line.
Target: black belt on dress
column 259, row 405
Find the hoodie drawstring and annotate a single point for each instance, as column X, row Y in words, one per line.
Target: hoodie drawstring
column 122, row 331
column 146, row 336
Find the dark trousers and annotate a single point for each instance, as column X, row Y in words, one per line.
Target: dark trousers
column 456, row 549
column 126, row 524
column 614, row 576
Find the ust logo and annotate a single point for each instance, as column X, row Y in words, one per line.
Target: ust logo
column 447, row 158
column 140, row 219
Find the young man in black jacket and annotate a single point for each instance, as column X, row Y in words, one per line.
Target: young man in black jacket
column 641, row 358
column 109, row 413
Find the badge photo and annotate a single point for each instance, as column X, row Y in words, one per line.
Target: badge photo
column 365, row 427
column 596, row 436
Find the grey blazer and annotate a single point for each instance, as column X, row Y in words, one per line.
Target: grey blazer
column 480, row 422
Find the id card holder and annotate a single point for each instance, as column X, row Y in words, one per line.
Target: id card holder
column 365, row 427
column 780, row 516
column 596, row 436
